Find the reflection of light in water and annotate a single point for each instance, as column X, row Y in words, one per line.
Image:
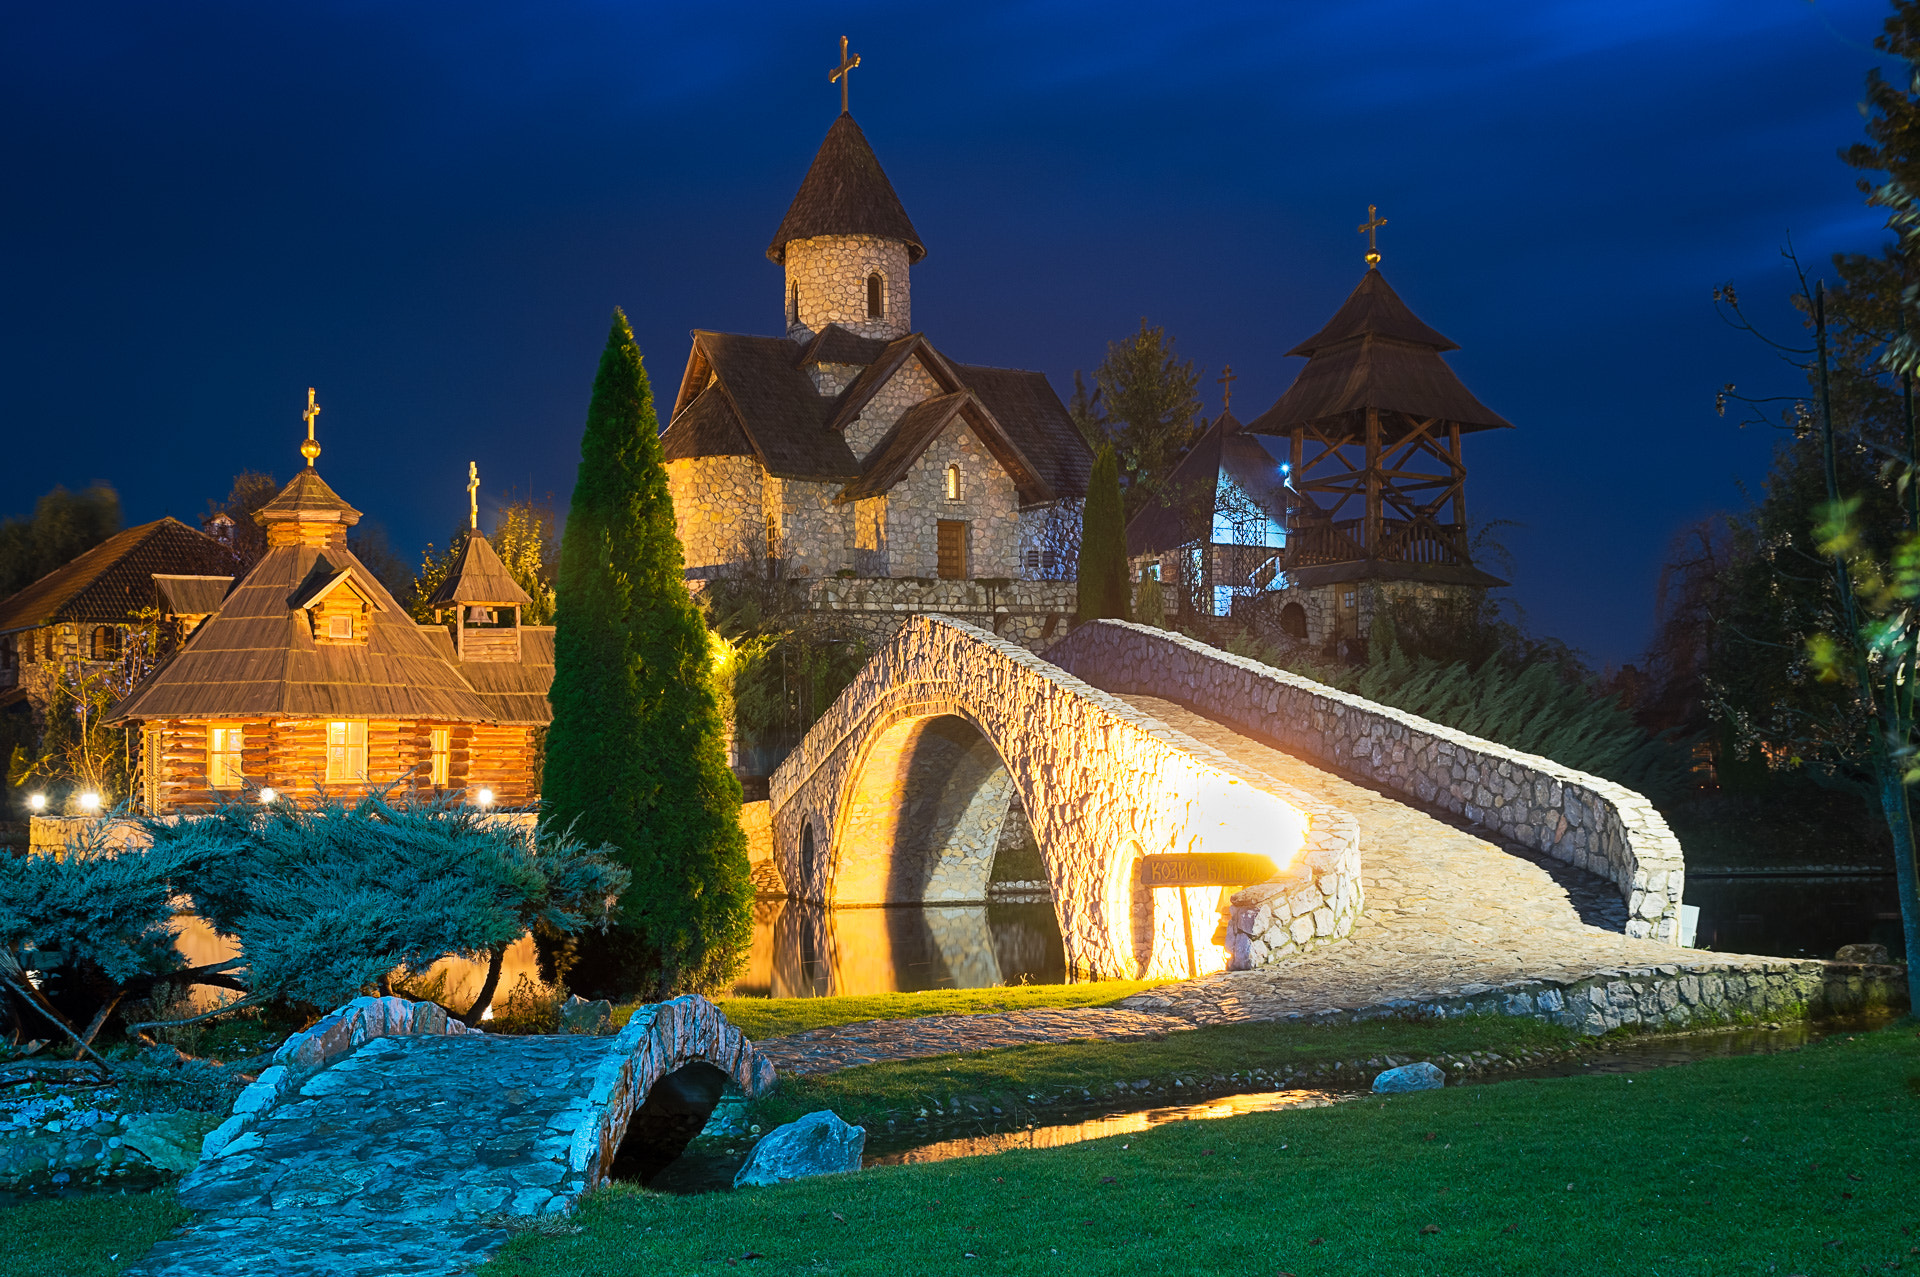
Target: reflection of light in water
column 1102, row 1127
column 801, row 950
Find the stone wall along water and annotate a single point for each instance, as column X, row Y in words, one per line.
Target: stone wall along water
column 1583, row 820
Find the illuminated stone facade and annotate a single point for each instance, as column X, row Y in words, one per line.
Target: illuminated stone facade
column 828, row 274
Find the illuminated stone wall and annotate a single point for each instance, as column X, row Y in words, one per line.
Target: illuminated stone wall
column 831, row 273
column 1031, row 613
column 718, row 513
column 1101, row 783
column 1592, row 823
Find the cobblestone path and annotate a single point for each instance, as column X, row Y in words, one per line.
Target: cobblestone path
column 1448, row 913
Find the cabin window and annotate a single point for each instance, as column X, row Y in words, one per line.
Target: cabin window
column 106, row 643
column 953, row 483
column 347, row 750
column 225, row 746
column 876, row 296
column 442, row 757
column 339, row 627
column 952, row 549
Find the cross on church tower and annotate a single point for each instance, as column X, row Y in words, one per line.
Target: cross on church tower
column 311, row 448
column 1373, row 223
column 841, row 74
column 473, row 495
column 1226, row 380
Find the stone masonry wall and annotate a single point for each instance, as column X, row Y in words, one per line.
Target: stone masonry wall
column 988, row 504
column 719, row 513
column 831, row 272
column 813, row 536
column 910, row 384
column 1031, row 613
column 1101, row 783
column 1592, row 823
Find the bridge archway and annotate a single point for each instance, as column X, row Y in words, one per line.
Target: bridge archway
column 900, row 792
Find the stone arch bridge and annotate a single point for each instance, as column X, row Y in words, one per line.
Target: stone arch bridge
column 950, row 739
column 951, row 742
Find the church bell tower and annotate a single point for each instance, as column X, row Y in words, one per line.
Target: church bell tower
column 846, row 242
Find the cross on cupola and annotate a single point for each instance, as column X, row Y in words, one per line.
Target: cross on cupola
column 1226, row 380
column 311, row 448
column 473, row 495
column 842, row 73
column 1369, row 228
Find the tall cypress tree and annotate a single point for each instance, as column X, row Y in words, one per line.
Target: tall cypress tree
column 635, row 756
column 1103, row 543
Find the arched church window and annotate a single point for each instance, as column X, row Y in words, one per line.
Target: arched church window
column 106, row 643
column 876, row 296
column 953, row 483
column 793, row 303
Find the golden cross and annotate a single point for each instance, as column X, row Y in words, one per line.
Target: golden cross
column 1226, row 380
column 311, row 448
column 1373, row 223
column 840, row 73
column 473, row 495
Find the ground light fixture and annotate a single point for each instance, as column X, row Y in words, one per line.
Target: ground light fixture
column 484, row 798
column 37, row 802
column 267, row 795
column 89, row 802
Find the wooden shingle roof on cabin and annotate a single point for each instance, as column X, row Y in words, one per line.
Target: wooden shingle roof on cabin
column 846, row 192
column 191, row 595
column 114, row 580
column 307, row 498
column 1375, row 353
column 513, row 691
column 479, row 577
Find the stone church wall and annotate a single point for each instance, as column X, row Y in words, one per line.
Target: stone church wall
column 831, row 272
column 812, row 535
column 1032, row 614
column 718, row 513
column 988, row 502
column 910, row 385
column 1588, row 822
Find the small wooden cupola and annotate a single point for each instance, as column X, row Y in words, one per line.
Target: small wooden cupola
column 481, row 601
column 339, row 606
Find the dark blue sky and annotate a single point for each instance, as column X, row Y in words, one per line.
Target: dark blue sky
column 428, row 211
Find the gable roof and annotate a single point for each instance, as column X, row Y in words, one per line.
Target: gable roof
column 1193, row 489
column 256, row 657
column 1024, row 404
column 479, row 576
column 836, row 345
column 113, row 580
column 191, row 595
column 846, row 192
column 1375, row 353
column 324, row 580
column 768, row 398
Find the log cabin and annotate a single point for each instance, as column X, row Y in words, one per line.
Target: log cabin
column 313, row 682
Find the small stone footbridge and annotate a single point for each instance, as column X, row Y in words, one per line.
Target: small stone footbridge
column 951, row 745
column 390, row 1139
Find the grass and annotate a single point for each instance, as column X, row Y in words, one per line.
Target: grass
column 1007, row 1077
column 772, row 1017
column 1794, row 1163
column 82, row 1236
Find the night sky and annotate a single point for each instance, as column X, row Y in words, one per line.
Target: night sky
column 429, row 210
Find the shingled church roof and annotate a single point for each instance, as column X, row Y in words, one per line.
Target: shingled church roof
column 846, row 192
column 1375, row 353
column 114, row 579
column 751, row 396
column 479, row 577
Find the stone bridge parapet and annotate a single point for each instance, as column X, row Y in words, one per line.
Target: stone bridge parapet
column 1101, row 784
column 1586, row 821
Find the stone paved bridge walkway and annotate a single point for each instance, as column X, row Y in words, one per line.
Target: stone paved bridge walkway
column 1451, row 920
column 393, row 1142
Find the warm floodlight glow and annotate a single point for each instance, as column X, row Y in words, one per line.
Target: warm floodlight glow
column 90, row 801
column 485, row 797
column 38, row 802
column 267, row 795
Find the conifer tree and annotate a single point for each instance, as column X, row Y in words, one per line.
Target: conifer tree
column 635, row 756
column 1103, row 544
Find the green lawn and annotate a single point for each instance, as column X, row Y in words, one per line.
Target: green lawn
column 1801, row 1162
column 1061, row 1074
column 81, row 1236
column 771, row 1017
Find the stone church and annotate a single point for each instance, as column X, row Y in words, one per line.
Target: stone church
column 854, row 460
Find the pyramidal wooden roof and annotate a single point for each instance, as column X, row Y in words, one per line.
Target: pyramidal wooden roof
column 479, row 577
column 307, row 498
column 846, row 192
column 1375, row 353
column 114, row 579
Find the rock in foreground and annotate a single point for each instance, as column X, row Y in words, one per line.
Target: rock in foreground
column 817, row 1144
column 1410, row 1077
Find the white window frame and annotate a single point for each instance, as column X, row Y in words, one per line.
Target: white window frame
column 226, row 749
column 347, row 751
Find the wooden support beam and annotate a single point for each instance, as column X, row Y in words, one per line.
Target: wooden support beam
column 1372, row 536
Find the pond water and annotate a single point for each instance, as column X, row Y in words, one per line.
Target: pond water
column 1794, row 916
column 805, row 951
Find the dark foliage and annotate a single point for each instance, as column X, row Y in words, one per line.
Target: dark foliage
column 635, row 756
column 251, row 490
column 1103, row 584
column 63, row 526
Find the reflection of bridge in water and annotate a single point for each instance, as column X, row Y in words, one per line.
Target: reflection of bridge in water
column 803, row 950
